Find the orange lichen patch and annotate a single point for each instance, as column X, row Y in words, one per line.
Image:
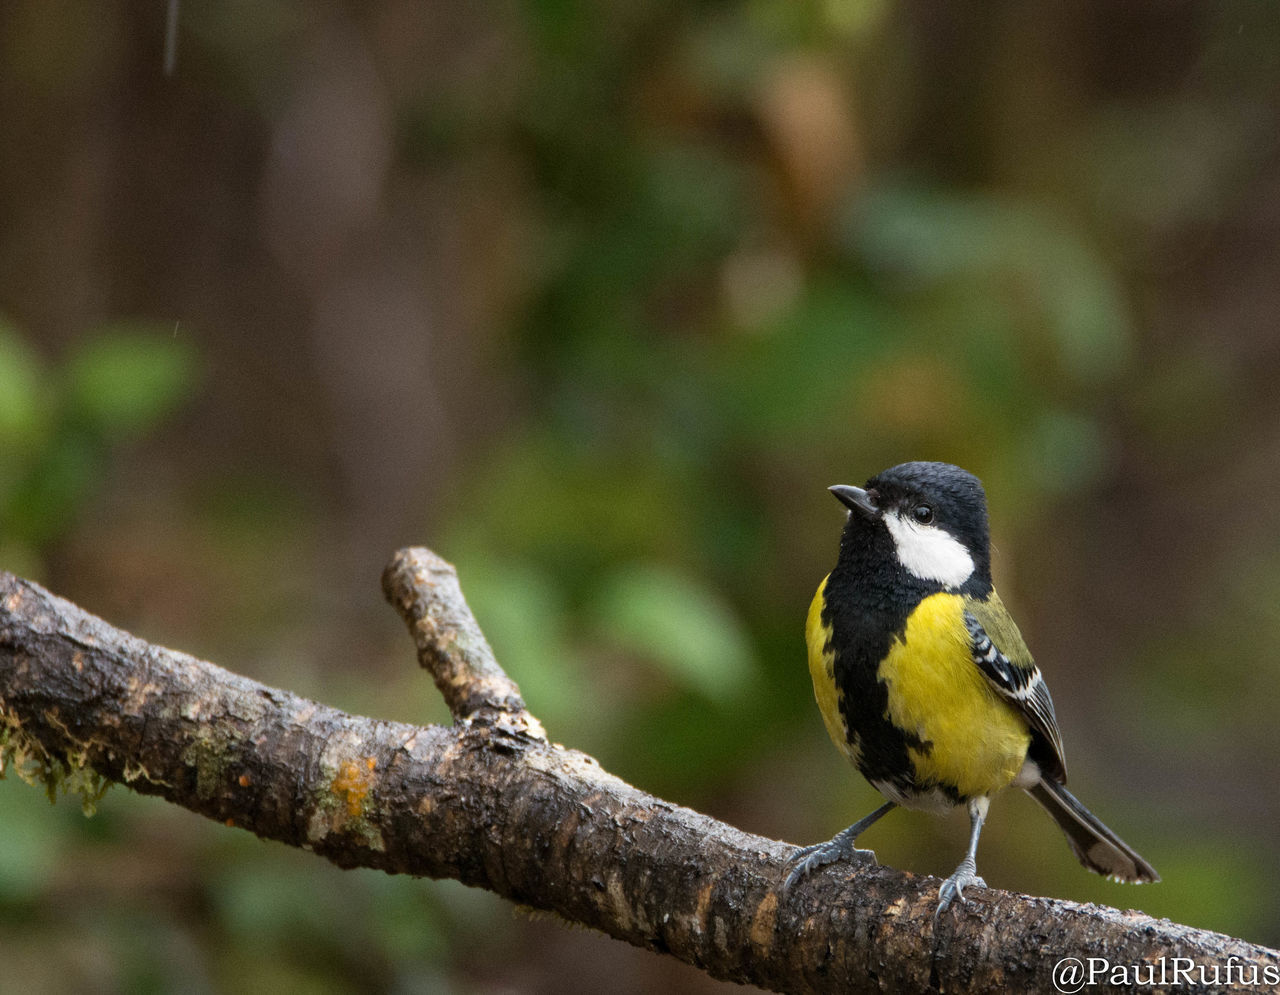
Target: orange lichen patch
column 762, row 923
column 353, row 782
column 244, row 780
column 704, row 906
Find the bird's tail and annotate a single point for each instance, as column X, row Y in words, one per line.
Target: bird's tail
column 1094, row 845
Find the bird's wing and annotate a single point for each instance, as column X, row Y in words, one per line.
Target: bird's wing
column 1005, row 661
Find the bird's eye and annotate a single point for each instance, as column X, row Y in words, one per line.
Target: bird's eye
column 922, row 513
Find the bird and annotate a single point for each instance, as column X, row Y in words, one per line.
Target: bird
column 924, row 681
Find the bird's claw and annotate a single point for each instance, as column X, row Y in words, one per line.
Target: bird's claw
column 808, row 859
column 953, row 888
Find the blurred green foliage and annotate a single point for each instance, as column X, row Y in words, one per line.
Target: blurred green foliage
column 58, row 426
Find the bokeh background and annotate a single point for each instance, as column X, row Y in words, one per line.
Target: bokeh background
column 596, row 300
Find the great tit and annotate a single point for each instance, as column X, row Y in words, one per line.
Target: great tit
column 924, row 681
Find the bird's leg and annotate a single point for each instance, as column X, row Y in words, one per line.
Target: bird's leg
column 967, row 872
column 808, row 859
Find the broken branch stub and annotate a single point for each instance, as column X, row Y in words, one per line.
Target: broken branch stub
column 424, row 589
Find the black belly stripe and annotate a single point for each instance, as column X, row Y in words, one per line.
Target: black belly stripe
column 861, row 635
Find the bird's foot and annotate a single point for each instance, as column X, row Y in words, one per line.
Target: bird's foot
column 808, row 859
column 953, row 888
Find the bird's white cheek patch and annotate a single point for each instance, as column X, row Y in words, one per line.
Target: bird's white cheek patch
column 929, row 552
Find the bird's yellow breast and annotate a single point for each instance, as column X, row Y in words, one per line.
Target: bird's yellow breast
column 979, row 741
column 817, row 636
column 973, row 741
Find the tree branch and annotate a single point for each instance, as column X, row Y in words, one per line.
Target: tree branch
column 490, row 802
column 424, row 589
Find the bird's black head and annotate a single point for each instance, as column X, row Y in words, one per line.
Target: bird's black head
column 935, row 518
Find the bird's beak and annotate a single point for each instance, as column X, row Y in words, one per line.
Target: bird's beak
column 856, row 499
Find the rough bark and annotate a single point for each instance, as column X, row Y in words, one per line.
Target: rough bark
column 491, row 802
